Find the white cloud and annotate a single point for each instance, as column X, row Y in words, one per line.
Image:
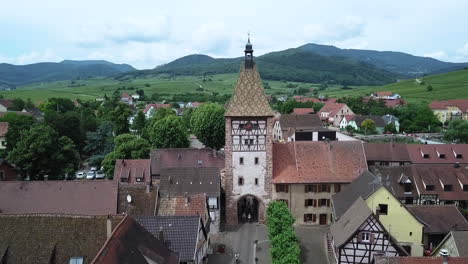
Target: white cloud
column 463, row 52
column 344, row 29
column 439, row 55
column 32, row 57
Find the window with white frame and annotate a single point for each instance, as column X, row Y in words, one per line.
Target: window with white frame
column 213, row 202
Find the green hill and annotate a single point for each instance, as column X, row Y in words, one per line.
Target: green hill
column 452, row 85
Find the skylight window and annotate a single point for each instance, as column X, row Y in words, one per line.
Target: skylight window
column 76, row 260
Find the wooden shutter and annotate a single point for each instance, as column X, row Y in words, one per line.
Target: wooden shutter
column 306, row 188
column 277, row 187
column 371, row 239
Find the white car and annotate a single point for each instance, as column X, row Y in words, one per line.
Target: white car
column 90, row 175
column 94, row 168
column 80, row 175
column 100, row 174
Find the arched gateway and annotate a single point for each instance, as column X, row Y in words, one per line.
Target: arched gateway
column 248, row 148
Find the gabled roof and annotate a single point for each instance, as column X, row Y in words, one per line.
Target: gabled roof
column 3, row 129
column 132, row 243
column 131, row 169
column 461, row 241
column 419, row 260
column 184, row 158
column 318, row 161
column 183, row 205
column 434, row 153
column 462, row 104
column 378, row 121
column 42, row 238
column 6, row 103
column 394, row 102
column 303, row 111
column 249, row 97
column 180, row 232
column 440, row 219
column 180, row 181
column 383, row 93
column 155, row 106
column 394, row 177
column 299, row 121
column 97, row 197
column 142, row 202
column 332, row 108
column 397, row 152
column 365, row 185
column 389, row 118
column 351, row 220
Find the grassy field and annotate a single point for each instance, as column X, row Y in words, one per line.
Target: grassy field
column 452, row 85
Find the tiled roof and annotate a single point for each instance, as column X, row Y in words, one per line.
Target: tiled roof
column 393, row 177
column 3, row 128
column 299, row 121
column 155, row 106
column 461, row 241
column 183, row 205
column 332, row 108
column 386, row 152
column 350, row 221
column 7, row 103
column 319, row 161
column 180, row 232
column 131, row 169
column 249, row 97
column 316, row 100
column 303, row 111
column 178, row 181
column 440, row 219
column 184, row 158
column 142, row 202
column 389, row 118
column 39, row 238
column 462, row 104
column 394, row 102
column 132, row 243
column 383, row 93
column 97, row 197
column 438, row 153
column 419, row 260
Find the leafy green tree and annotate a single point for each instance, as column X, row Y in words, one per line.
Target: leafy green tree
column 127, row 146
column 350, row 129
column 139, row 122
column 187, row 116
column 66, row 124
column 57, row 104
column 18, row 104
column 457, row 131
column 16, row 124
column 29, row 104
column 41, row 151
column 429, row 88
column 368, row 126
column 390, row 128
column 158, row 115
column 418, row 118
column 119, row 116
column 209, row 126
column 169, row 132
column 100, row 143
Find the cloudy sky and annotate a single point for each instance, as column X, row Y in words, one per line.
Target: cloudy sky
column 146, row 33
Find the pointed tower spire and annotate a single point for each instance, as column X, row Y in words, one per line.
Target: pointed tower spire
column 248, row 54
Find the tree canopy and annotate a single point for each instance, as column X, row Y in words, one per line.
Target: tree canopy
column 100, row 143
column 169, row 132
column 457, row 131
column 16, row 124
column 368, row 126
column 418, row 118
column 208, row 125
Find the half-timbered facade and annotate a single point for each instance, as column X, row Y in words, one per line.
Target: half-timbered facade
column 359, row 236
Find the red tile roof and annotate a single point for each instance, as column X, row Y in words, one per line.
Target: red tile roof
column 460, row 103
column 155, row 106
column 386, row 152
column 332, row 108
column 7, row 103
column 440, row 219
column 196, row 104
column 131, row 169
column 303, row 111
column 394, row 102
column 383, row 93
column 438, row 153
column 308, row 162
column 178, row 206
column 420, row 260
column 126, row 95
column 3, row 128
column 97, row 197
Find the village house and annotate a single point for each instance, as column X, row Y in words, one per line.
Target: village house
column 387, row 154
column 127, row 99
column 355, row 121
column 438, row 154
column 186, row 235
column 150, row 109
column 3, row 132
column 332, row 113
column 303, row 111
column 358, row 236
column 399, row 181
column 439, row 220
column 391, row 119
column 386, row 95
column 394, row 216
column 292, row 127
column 5, row 104
column 307, row 174
column 450, row 109
column 454, row 244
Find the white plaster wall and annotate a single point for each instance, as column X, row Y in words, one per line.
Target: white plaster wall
column 343, row 137
column 249, row 171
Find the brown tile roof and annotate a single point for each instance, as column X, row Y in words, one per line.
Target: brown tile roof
column 449, row 152
column 299, row 121
column 394, row 102
column 7, row 103
column 179, row 181
column 462, row 104
column 97, row 197
column 447, row 174
column 142, row 203
column 386, row 152
column 383, row 93
column 440, row 219
column 303, row 111
column 419, row 260
column 132, row 243
column 319, row 161
column 394, row 177
column 52, row 238
column 155, row 106
column 332, row 108
column 131, row 169
column 3, row 128
column 178, row 205
column 184, row 158
column 249, row 97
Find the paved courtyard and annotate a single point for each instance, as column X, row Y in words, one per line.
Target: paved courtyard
column 313, row 244
column 241, row 239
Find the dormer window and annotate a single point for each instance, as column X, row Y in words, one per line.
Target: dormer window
column 430, row 187
column 459, row 156
column 200, row 162
column 425, row 155
column 448, row 187
column 441, row 156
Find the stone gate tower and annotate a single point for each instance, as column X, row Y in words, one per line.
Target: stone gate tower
column 248, row 149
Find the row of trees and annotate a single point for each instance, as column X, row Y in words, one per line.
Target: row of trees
column 284, row 243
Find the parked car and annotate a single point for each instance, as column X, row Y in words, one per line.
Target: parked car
column 93, row 168
column 100, row 174
column 90, row 175
column 80, row 175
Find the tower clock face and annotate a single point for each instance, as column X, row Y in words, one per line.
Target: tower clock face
column 248, row 135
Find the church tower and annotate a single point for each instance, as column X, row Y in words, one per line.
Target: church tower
column 248, row 149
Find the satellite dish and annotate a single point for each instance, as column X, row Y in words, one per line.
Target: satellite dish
column 129, row 198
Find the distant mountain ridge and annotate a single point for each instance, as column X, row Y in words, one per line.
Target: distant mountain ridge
column 15, row 75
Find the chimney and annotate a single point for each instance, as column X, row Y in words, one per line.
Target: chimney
column 109, row 225
column 148, row 187
column 46, row 177
column 161, row 234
